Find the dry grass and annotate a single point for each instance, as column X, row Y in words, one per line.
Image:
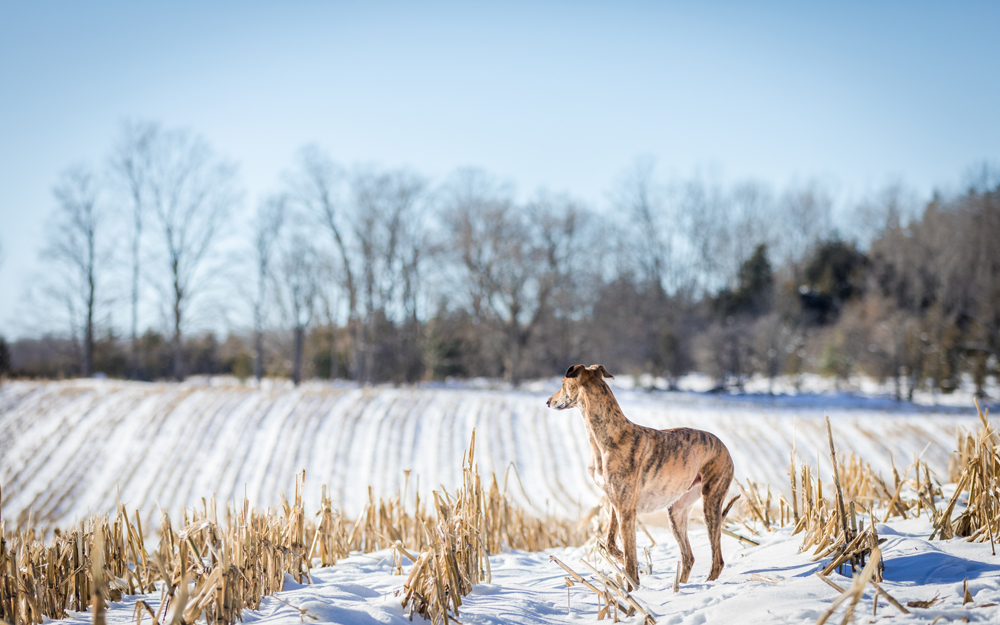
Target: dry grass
column 614, row 599
column 469, row 526
column 837, row 518
column 976, row 472
column 209, row 570
column 832, row 524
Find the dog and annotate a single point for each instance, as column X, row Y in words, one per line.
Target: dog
column 641, row 469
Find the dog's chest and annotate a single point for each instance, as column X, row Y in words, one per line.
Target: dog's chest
column 652, row 499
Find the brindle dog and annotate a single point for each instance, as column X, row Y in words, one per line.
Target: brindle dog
column 642, row 469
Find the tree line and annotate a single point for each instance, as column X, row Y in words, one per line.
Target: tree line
column 384, row 275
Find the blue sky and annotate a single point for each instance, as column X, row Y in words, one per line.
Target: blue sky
column 560, row 95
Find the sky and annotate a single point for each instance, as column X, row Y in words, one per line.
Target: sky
column 562, row 96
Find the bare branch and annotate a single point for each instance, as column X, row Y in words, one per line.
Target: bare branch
column 74, row 252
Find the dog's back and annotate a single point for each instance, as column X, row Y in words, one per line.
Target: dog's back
column 677, row 460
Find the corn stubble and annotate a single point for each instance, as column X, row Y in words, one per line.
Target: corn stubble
column 211, row 571
column 467, row 527
column 833, row 525
column 976, row 471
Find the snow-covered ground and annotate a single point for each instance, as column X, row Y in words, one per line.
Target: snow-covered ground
column 70, row 449
column 771, row 583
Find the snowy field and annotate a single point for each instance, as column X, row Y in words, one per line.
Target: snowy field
column 772, row 583
column 69, row 449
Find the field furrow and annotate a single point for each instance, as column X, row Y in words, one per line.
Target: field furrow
column 69, row 449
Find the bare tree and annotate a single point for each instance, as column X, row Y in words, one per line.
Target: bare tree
column 505, row 275
column 131, row 164
column 417, row 251
column 267, row 228
column 691, row 235
column 571, row 261
column 772, row 340
column 297, row 288
column 967, row 272
column 982, row 177
column 666, row 241
column 390, row 242
column 806, row 216
column 74, row 248
column 706, row 213
column 750, row 224
column 4, row 347
column 885, row 212
column 640, row 200
column 726, row 351
column 316, row 187
column 191, row 192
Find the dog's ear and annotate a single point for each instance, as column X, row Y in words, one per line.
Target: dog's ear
column 600, row 369
column 573, row 371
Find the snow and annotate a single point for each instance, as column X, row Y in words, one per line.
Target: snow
column 68, row 449
column 770, row 583
column 71, row 449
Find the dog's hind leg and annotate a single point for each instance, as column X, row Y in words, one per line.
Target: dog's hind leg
column 612, row 541
column 715, row 490
column 679, row 512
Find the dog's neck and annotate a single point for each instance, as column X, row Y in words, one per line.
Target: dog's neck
column 602, row 414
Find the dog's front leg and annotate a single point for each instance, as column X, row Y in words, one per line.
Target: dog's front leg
column 627, row 521
column 623, row 495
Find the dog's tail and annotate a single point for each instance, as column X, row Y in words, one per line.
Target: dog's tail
column 729, row 505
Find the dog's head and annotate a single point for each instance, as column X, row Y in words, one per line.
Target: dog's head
column 577, row 377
